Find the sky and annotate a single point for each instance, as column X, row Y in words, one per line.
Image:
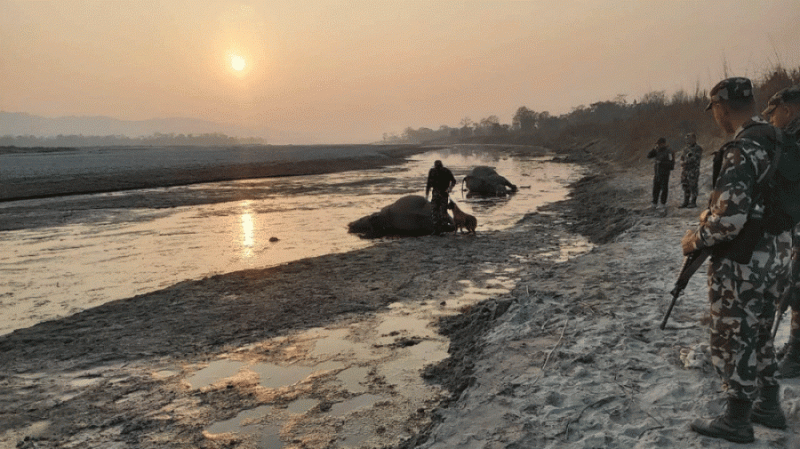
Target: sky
column 350, row 71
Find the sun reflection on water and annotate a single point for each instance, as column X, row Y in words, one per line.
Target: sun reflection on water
column 248, row 234
column 89, row 263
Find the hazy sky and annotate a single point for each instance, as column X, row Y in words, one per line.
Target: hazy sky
column 348, row 71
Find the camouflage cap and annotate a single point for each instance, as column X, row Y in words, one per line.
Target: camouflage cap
column 736, row 88
column 787, row 95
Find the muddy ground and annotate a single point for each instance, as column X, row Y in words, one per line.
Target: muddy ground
column 570, row 357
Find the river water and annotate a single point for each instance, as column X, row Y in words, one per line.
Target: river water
column 52, row 272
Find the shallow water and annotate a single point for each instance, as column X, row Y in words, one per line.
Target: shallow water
column 352, row 352
column 47, row 273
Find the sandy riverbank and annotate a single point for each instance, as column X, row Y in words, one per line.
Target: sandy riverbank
column 90, row 170
column 570, row 357
column 577, row 359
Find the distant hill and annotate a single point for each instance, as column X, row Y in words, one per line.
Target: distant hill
column 23, row 124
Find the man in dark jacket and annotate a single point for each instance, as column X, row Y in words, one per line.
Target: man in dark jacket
column 441, row 180
column 665, row 162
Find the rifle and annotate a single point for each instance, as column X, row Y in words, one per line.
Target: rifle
column 691, row 263
column 787, row 299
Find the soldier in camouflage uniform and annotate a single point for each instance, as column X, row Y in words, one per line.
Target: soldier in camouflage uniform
column 690, row 170
column 441, row 180
column 742, row 295
column 783, row 111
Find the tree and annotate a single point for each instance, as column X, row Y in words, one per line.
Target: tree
column 655, row 98
column 524, row 120
column 466, row 127
column 487, row 126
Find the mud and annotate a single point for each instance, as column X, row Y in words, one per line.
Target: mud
column 117, row 375
column 559, row 350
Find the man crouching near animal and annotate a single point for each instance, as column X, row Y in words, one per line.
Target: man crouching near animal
column 461, row 219
column 441, row 180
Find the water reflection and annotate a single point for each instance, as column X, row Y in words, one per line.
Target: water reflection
column 46, row 273
column 248, row 239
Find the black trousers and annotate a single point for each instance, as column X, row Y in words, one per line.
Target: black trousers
column 660, row 188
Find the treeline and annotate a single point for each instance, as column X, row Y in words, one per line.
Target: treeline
column 157, row 139
column 629, row 126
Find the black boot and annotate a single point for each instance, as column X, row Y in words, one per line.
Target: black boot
column 685, row 201
column 789, row 367
column 767, row 409
column 693, row 201
column 734, row 425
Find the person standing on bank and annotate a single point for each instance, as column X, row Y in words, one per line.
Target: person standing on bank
column 441, row 180
column 783, row 111
column 664, row 164
column 742, row 296
column 690, row 170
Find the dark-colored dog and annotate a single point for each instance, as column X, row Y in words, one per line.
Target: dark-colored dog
column 461, row 219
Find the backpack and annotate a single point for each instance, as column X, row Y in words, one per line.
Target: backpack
column 779, row 187
column 782, row 191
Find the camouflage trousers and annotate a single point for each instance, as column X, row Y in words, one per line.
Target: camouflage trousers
column 690, row 189
column 690, row 174
column 439, row 210
column 689, row 180
column 743, row 300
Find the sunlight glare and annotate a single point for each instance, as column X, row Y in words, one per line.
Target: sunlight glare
column 237, row 62
column 248, row 234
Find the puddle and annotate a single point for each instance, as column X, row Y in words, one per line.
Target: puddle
column 301, row 406
column 362, row 401
column 354, row 379
column 472, row 294
column 274, row 376
column 165, row 373
column 248, row 423
column 352, row 352
column 394, row 327
column 406, row 369
column 270, row 375
column 241, row 423
column 215, row 371
column 334, row 344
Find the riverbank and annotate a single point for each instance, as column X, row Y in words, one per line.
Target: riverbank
column 44, row 173
column 571, row 356
column 574, row 356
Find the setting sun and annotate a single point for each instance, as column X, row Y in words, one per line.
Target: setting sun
column 237, row 62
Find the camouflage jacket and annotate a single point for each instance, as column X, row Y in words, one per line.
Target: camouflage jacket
column 690, row 157
column 743, row 161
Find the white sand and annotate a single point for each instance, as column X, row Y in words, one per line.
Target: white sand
column 579, row 359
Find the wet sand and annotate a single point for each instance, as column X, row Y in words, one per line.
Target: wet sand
column 271, row 162
column 571, row 357
column 87, row 357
